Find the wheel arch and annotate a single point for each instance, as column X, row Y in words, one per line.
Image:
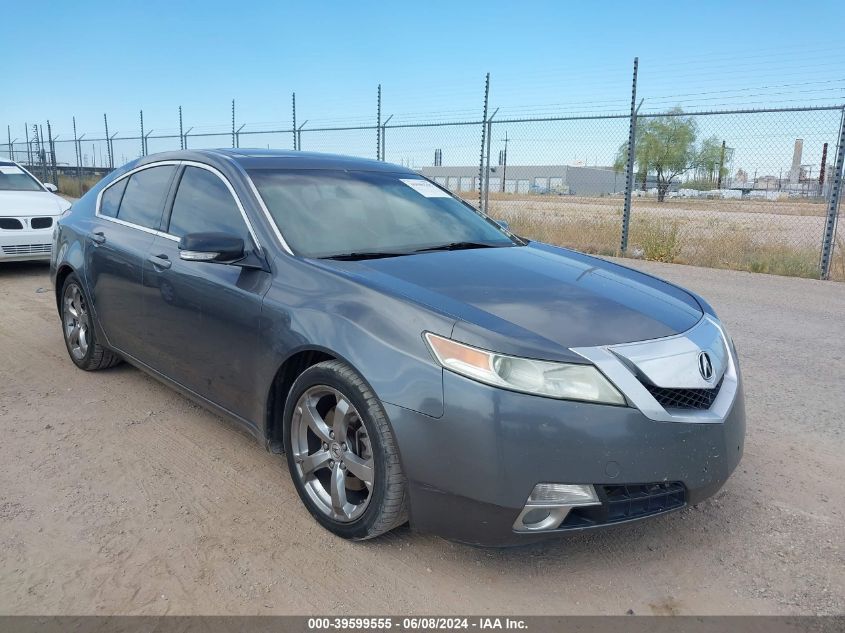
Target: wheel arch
column 287, row 373
column 64, row 271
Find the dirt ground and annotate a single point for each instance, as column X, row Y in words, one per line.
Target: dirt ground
column 118, row 496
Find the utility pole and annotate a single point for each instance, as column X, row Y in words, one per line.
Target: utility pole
column 143, row 149
column 181, row 135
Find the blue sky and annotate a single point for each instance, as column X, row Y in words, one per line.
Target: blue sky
column 87, row 58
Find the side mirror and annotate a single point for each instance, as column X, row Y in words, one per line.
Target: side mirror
column 220, row 248
column 504, row 224
column 49, row 186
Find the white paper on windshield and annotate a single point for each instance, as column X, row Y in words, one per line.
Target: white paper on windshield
column 10, row 169
column 425, row 188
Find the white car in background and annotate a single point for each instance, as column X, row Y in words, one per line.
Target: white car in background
column 28, row 213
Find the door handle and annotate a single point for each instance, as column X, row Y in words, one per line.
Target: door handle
column 161, row 262
column 97, row 237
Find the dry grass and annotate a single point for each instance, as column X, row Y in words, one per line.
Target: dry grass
column 660, row 239
column 70, row 185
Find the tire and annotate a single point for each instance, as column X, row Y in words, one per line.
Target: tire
column 321, row 462
column 78, row 329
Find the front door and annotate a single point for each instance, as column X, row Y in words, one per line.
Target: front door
column 203, row 317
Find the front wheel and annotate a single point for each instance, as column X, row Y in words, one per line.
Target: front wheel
column 342, row 455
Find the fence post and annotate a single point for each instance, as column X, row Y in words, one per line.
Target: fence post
column 833, row 204
column 28, row 148
column 77, row 150
column 384, row 135
column 378, row 125
column 487, row 170
column 52, row 149
column 108, row 142
column 42, row 153
column 233, row 123
column 293, row 128
column 483, row 140
column 299, row 135
column 629, row 168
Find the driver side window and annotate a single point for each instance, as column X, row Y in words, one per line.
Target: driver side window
column 204, row 204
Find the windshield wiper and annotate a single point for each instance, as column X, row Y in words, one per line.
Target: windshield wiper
column 364, row 255
column 456, row 246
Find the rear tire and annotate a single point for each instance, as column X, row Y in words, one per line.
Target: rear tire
column 78, row 329
column 342, row 455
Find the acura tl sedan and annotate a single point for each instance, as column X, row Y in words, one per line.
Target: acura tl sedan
column 414, row 360
column 28, row 211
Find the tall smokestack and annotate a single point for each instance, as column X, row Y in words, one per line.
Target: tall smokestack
column 795, row 172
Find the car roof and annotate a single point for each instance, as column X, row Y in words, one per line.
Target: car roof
column 278, row 159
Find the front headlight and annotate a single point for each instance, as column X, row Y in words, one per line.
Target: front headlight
column 539, row 377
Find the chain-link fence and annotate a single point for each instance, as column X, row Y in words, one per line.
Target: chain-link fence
column 753, row 190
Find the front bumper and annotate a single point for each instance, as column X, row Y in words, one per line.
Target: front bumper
column 26, row 244
column 471, row 471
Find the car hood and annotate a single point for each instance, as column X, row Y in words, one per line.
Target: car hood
column 535, row 300
column 30, row 203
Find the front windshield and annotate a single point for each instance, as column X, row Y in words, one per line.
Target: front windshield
column 324, row 213
column 13, row 178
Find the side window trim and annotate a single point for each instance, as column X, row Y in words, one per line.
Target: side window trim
column 132, row 225
column 171, row 196
column 232, row 192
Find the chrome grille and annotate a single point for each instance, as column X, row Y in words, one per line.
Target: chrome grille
column 27, row 249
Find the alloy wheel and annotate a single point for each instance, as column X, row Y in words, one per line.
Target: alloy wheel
column 76, row 321
column 333, row 453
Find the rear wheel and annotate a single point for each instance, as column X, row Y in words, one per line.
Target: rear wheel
column 78, row 330
column 342, row 455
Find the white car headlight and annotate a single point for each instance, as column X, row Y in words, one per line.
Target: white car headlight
column 539, row 377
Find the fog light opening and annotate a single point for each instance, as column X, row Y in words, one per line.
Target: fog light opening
column 548, row 504
column 535, row 517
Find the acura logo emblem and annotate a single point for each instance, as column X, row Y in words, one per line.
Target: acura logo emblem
column 705, row 366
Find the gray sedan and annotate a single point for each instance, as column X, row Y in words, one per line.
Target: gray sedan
column 414, row 360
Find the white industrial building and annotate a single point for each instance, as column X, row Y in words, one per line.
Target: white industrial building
column 560, row 179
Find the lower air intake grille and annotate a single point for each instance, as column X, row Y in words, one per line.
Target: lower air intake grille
column 626, row 502
column 684, row 398
column 27, row 249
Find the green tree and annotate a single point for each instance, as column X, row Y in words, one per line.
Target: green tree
column 665, row 146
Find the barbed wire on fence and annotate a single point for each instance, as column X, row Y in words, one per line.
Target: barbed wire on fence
column 752, row 188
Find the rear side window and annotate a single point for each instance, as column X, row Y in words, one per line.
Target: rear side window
column 110, row 200
column 203, row 203
column 144, row 196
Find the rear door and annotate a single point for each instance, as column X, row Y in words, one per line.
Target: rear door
column 203, row 317
column 127, row 219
